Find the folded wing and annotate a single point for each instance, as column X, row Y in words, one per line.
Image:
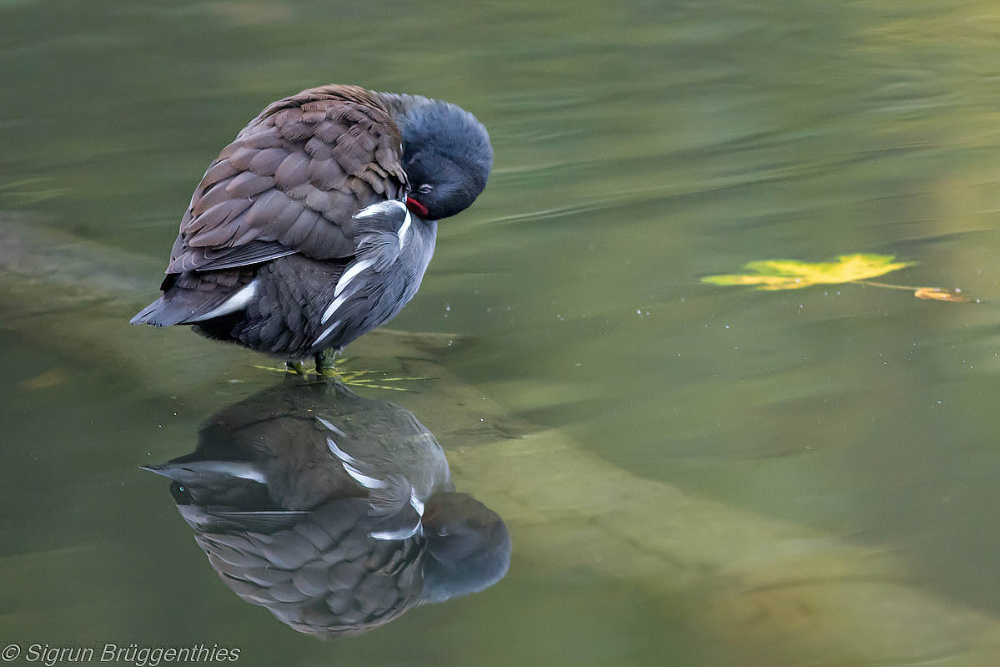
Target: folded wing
column 291, row 182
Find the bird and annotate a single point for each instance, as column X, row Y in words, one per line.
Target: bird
column 317, row 223
column 335, row 512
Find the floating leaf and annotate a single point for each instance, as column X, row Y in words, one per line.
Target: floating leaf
column 783, row 274
column 937, row 294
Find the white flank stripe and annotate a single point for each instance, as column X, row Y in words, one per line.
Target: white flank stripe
column 231, row 468
column 252, row 475
column 330, row 426
column 401, row 534
column 405, row 227
column 339, row 453
column 351, row 273
column 390, row 207
column 363, row 479
column 415, row 502
column 236, row 302
column 326, row 332
column 337, row 303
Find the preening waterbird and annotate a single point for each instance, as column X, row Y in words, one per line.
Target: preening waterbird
column 317, row 223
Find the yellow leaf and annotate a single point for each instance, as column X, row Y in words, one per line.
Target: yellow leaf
column 785, row 274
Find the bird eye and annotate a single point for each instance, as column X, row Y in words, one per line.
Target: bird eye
column 425, row 189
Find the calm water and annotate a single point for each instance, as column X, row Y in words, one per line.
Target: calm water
column 640, row 146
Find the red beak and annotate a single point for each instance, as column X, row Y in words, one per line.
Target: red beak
column 416, row 207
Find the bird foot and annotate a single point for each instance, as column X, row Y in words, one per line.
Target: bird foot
column 297, row 367
column 325, row 367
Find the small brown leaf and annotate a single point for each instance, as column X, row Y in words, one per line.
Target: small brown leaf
column 938, row 294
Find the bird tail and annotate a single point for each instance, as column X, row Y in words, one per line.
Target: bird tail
column 159, row 314
column 195, row 297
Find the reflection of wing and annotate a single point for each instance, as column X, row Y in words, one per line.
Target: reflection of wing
column 333, row 511
column 391, row 496
column 291, row 181
column 322, row 574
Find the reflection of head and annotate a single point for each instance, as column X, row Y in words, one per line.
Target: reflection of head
column 468, row 547
column 334, row 511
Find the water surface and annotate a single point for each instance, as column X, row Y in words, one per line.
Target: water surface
column 639, row 146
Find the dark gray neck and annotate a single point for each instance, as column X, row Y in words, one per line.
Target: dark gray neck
column 404, row 108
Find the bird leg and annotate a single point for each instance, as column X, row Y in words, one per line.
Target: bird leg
column 325, row 363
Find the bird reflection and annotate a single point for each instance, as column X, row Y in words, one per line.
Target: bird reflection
column 334, row 511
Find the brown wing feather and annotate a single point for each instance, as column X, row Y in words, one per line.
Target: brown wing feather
column 291, row 181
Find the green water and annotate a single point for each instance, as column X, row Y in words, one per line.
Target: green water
column 639, row 146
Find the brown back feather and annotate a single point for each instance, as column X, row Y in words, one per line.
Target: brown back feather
column 291, row 182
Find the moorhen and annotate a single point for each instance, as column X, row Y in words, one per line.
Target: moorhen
column 317, row 223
